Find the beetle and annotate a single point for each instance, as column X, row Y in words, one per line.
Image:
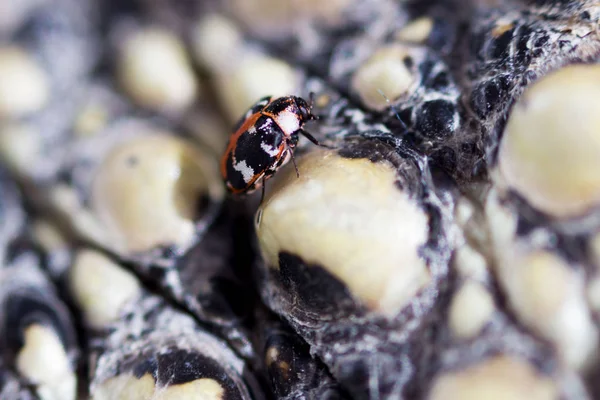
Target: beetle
column 263, row 141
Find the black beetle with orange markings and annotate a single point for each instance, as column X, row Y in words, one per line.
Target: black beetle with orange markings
column 263, row 141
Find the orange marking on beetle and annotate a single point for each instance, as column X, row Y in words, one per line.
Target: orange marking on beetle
column 233, row 141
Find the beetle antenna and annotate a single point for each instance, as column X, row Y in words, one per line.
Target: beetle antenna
column 393, row 107
column 310, row 137
column 313, row 139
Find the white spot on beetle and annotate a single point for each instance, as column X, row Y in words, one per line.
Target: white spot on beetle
column 267, row 124
column 270, row 150
column 252, row 130
column 288, row 122
column 245, row 169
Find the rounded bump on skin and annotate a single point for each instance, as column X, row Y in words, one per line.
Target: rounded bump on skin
column 91, row 120
column 155, row 71
column 20, row 147
column 44, row 362
column 384, row 71
column 24, row 87
column 501, row 221
column 470, row 264
column 464, row 211
column 148, row 190
column 348, row 216
column 128, row 387
column 498, row 378
column 241, row 75
column 271, row 355
column 205, row 388
column 49, row 236
column 256, row 76
column 216, row 40
column 125, row 387
column 416, row 31
column 550, row 151
column 66, row 199
column 503, row 25
column 470, row 310
column 101, row 287
column 549, row 296
column 268, row 17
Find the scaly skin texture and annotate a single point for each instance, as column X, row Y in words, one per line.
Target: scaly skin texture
column 402, row 263
column 512, row 48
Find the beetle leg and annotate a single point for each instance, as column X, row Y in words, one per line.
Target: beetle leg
column 295, row 166
column 262, row 196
